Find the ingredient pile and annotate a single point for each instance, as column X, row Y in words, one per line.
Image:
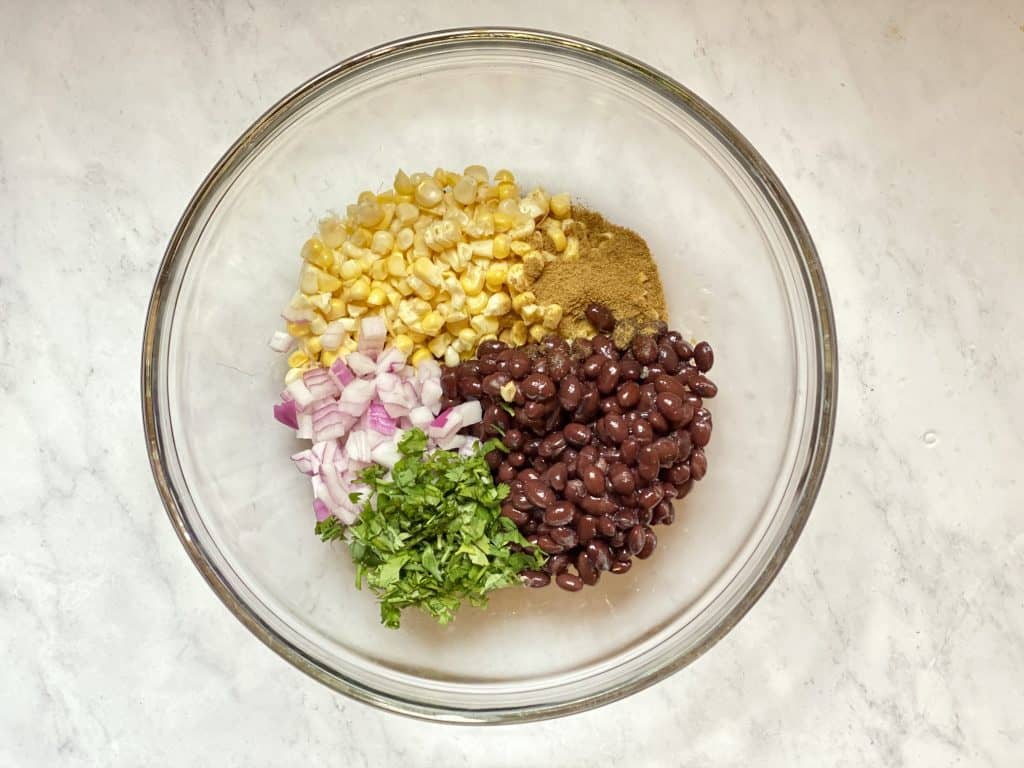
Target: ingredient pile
column 491, row 391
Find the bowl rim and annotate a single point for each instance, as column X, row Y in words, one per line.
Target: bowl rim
column 824, row 359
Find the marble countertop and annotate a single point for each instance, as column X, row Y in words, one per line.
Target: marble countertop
column 895, row 633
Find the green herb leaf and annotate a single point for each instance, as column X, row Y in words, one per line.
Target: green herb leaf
column 433, row 535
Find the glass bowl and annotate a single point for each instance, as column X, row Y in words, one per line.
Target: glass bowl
column 739, row 270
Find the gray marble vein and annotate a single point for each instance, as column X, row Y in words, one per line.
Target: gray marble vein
column 893, row 635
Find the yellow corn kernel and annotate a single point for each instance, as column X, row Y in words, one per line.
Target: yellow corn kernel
column 317, row 254
column 406, row 213
column 359, row 290
column 297, row 359
column 403, row 287
column 500, row 246
column 427, row 271
column 531, row 313
column 439, row 344
column 404, row 239
column 484, row 325
column 504, row 175
column 308, row 278
column 468, row 338
column 382, row 242
column 572, row 249
column 517, row 279
column 518, row 333
column 508, row 191
column 506, row 336
column 403, row 342
column 293, row 374
column 336, row 309
column 421, row 354
column 503, row 222
column 350, row 269
column 472, row 280
column 327, row 283
column 498, row 305
column 457, row 322
column 357, row 310
column 520, row 300
column 464, row 190
column 552, row 316
column 495, row 278
column 533, row 262
column 394, row 297
column 520, row 247
column 477, row 172
column 313, row 346
column 420, row 307
column 379, row 270
column 475, row 305
column 297, row 330
column 428, row 193
column 432, row 322
column 537, row 333
column 361, row 238
column 395, row 264
column 556, row 234
column 560, row 206
column 327, row 357
column 402, row 183
column 377, row 297
column 420, row 288
column 451, row 357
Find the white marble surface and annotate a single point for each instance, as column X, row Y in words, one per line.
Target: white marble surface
column 893, row 635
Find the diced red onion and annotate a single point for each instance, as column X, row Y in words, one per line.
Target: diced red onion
column 391, row 360
column 341, row 374
column 386, row 454
column 305, row 428
column 361, row 364
column 372, row 333
column 380, row 420
column 421, row 417
column 286, row 412
column 294, row 315
column 321, row 510
column 430, row 394
column 356, row 397
column 319, row 383
column 300, row 394
column 469, row 412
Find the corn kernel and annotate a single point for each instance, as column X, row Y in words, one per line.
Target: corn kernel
column 359, row 290
column 498, row 305
column 468, row 337
column 477, row 172
column 327, row 357
column 351, row 269
column 505, row 175
column 361, row 238
column 357, row 310
column 297, row 330
column 396, row 264
column 475, row 305
column 503, row 222
column 428, row 193
column 406, row 213
column 508, row 191
column 537, row 333
column 404, row 239
column 552, row 316
column 531, row 313
column 572, row 249
column 297, row 359
column 517, row 279
column 403, row 342
column 327, row 283
column 495, row 278
column 420, row 355
column 382, row 242
column 520, row 300
column 293, row 374
column 560, row 206
column 379, row 270
column 336, row 309
column 377, row 298
column 518, row 333
column 420, row 288
column 484, row 325
column 432, row 322
column 520, row 248
column 533, row 264
column 317, row 325
column 557, row 236
column 508, row 391
column 464, row 190
column 313, row 346
column 317, row 254
column 451, row 357
column 439, row 344
column 403, row 184
column 500, row 246
column 506, row 336
column 427, row 271
column 472, row 280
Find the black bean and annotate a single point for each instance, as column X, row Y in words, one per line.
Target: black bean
column 703, row 386
column 599, row 554
column 651, row 496
column 576, row 433
column 588, row 573
column 698, row 464
column 606, row 527
column 559, row 513
column 664, row 514
column 538, row 493
column 610, row 405
column 549, row 545
column 570, row 392
column 630, row 369
column 645, row 349
column 651, row 541
column 667, row 450
column 586, row 527
column 506, row 472
column 574, row 491
column 569, row 582
column 616, row 428
column 493, row 383
column 535, row 578
column 564, row 536
column 621, row 479
column 636, row 539
column 557, row 564
column 700, row 432
column 600, row 317
column 518, row 365
column 630, row 446
column 642, row 431
column 671, row 384
column 678, row 474
column 589, row 405
column 603, row 346
column 537, row 386
column 647, row 463
column 621, row 566
column 668, row 359
column 449, row 383
column 658, row 422
column 592, row 366
column 593, row 480
column 470, row 387
column 608, row 378
column 516, row 459
column 552, row 445
column 530, row 446
column 517, row 516
column 670, row 405
column 703, row 356
column 557, row 476
column 597, row 505
column 559, row 365
column 628, row 394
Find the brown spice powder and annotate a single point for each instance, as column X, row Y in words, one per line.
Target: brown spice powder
column 615, row 268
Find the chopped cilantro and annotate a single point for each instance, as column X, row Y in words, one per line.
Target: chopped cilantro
column 433, row 535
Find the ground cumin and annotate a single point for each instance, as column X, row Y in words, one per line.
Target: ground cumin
column 615, row 268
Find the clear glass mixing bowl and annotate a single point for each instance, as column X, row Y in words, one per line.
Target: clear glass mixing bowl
column 739, row 270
